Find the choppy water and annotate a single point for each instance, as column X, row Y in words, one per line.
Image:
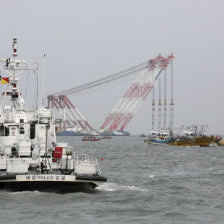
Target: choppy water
column 146, row 184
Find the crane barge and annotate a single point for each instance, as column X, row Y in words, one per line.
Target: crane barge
column 74, row 123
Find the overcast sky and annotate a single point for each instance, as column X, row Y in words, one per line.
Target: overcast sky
column 86, row 40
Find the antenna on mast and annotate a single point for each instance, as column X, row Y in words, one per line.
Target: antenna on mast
column 43, row 82
column 14, row 47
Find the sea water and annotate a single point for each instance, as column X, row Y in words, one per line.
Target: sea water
column 146, row 184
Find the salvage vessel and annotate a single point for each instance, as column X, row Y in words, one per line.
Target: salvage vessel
column 30, row 156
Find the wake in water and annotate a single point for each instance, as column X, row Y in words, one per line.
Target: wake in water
column 118, row 187
column 5, row 192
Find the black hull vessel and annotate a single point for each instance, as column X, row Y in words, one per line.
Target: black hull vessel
column 44, row 183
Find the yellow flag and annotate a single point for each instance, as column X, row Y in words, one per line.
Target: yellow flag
column 4, row 80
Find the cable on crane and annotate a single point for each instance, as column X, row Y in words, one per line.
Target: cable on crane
column 104, row 80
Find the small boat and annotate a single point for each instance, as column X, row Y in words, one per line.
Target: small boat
column 158, row 137
column 90, row 138
column 142, row 135
column 107, row 137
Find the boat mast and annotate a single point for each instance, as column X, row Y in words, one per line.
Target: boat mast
column 12, row 66
column 159, row 106
column 172, row 101
column 153, row 107
column 17, row 101
column 165, row 102
column 43, row 82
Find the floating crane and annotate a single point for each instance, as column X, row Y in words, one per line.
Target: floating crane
column 126, row 107
column 71, row 117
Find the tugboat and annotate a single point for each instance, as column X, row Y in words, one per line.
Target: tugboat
column 30, row 156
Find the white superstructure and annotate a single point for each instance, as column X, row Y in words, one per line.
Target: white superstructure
column 28, row 144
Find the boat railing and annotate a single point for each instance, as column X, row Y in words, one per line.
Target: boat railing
column 86, row 158
column 82, row 157
column 8, row 117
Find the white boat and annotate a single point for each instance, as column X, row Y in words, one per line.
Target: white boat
column 30, row 156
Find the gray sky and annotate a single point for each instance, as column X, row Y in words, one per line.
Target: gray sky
column 85, row 40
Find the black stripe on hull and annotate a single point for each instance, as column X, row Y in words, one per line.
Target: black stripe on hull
column 48, row 186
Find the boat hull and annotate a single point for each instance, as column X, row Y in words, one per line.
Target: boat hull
column 183, row 143
column 157, row 142
column 202, row 141
column 41, row 183
column 48, row 186
column 95, row 140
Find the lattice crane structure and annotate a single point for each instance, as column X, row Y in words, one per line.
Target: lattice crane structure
column 71, row 116
column 134, row 97
column 162, row 110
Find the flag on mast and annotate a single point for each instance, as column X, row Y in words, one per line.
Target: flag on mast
column 4, row 80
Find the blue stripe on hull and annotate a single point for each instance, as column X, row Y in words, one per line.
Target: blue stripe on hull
column 159, row 141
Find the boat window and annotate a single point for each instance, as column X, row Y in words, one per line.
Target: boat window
column 44, row 120
column 6, row 131
column 32, row 131
column 2, row 131
column 21, row 130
